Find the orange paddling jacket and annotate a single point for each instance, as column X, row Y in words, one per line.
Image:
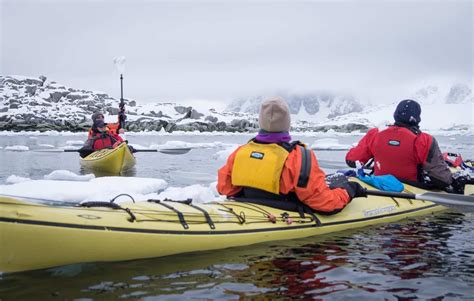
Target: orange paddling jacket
column 314, row 192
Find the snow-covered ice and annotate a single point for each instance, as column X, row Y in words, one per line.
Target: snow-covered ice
column 329, row 144
column 65, row 186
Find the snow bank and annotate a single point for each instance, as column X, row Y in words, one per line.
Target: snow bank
column 17, row 148
column 66, row 175
column 329, row 144
column 13, row 179
column 224, row 154
column 64, row 186
column 95, row 189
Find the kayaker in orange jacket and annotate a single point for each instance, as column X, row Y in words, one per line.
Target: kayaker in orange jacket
column 271, row 166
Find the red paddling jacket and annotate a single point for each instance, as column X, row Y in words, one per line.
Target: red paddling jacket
column 403, row 152
column 104, row 140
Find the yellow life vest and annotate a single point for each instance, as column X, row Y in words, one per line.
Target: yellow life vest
column 259, row 166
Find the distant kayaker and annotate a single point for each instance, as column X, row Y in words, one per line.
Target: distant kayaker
column 271, row 167
column 100, row 136
column 406, row 152
column 113, row 127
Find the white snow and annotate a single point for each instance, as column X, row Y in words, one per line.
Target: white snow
column 65, row 186
column 68, row 175
column 17, row 148
column 13, row 179
column 224, row 154
column 198, row 193
column 95, row 189
column 434, row 117
column 183, row 144
column 42, row 145
column 329, row 144
column 75, row 142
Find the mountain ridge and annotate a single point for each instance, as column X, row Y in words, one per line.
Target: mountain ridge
column 30, row 103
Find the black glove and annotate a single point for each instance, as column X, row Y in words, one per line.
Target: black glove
column 459, row 181
column 336, row 180
column 132, row 149
column 355, row 190
column 351, row 163
column 122, row 117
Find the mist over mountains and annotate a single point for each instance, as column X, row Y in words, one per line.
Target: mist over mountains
column 326, row 105
column 318, row 105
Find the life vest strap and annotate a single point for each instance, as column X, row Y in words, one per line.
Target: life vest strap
column 305, row 167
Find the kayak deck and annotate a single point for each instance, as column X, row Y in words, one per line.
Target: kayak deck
column 113, row 161
column 66, row 235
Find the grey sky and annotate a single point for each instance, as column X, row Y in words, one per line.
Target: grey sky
column 219, row 50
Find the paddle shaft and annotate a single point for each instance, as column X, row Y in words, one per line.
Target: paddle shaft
column 178, row 151
column 135, row 150
column 435, row 197
column 121, row 106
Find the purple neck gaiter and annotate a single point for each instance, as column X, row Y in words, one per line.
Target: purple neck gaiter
column 268, row 137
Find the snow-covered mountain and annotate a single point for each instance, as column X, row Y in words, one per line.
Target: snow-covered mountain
column 449, row 108
column 29, row 103
column 314, row 107
column 451, row 94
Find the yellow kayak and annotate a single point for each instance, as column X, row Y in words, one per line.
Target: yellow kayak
column 111, row 161
column 35, row 236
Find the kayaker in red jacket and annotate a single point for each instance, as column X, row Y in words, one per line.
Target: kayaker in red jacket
column 404, row 151
column 270, row 166
column 100, row 137
column 112, row 127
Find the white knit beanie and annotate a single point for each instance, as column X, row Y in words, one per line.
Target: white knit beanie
column 274, row 115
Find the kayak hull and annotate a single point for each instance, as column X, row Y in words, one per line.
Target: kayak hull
column 111, row 161
column 35, row 236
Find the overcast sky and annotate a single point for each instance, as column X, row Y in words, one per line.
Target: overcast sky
column 214, row 50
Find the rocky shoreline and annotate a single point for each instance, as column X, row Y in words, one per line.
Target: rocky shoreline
column 36, row 104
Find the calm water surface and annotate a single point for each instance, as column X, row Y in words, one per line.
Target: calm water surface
column 427, row 258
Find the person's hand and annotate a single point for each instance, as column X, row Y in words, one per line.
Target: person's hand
column 122, row 117
column 355, row 190
column 121, row 131
column 116, row 144
column 460, row 179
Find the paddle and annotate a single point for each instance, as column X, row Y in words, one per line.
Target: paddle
column 120, row 65
column 445, row 199
column 322, row 149
column 168, row 151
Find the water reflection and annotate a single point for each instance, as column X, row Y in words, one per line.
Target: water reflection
column 426, row 258
column 131, row 172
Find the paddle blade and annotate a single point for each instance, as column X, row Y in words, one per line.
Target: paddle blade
column 174, row 151
column 119, row 63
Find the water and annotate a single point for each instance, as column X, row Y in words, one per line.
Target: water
column 428, row 258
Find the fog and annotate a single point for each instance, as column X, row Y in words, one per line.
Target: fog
column 217, row 51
